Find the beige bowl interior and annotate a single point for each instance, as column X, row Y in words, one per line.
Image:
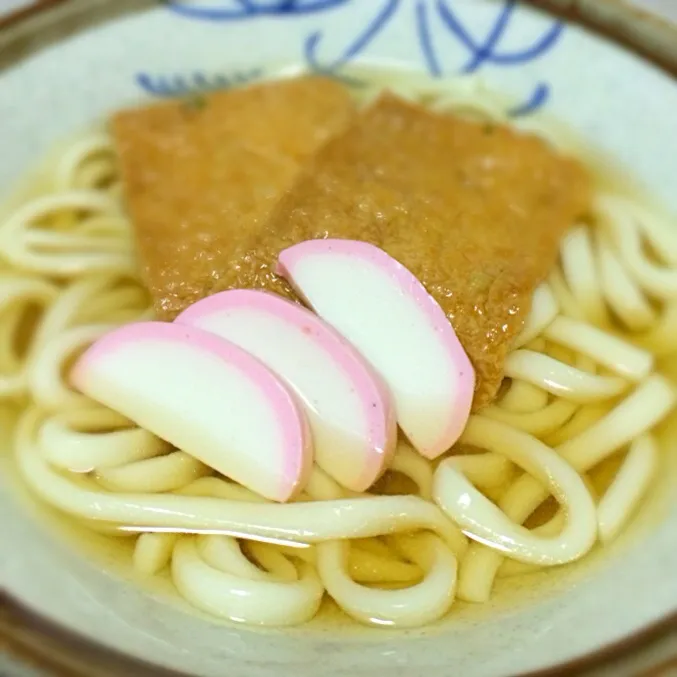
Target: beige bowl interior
column 89, row 65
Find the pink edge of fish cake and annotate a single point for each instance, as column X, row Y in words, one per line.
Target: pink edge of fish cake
column 410, row 285
column 290, row 415
column 382, row 431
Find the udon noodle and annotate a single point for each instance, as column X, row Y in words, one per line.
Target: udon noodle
column 580, row 387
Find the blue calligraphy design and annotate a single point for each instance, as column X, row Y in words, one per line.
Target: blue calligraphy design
column 477, row 50
column 357, row 46
column 236, row 10
column 538, row 97
column 181, row 85
column 423, row 29
column 488, row 50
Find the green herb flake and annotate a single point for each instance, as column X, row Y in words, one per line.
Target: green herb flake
column 194, row 103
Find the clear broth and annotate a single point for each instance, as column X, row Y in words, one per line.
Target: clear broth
column 112, row 555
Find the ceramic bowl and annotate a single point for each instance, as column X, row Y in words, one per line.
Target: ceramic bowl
column 69, row 63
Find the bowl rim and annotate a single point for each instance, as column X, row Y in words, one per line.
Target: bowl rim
column 34, row 639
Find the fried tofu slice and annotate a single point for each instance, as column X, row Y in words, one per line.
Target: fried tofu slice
column 476, row 211
column 201, row 176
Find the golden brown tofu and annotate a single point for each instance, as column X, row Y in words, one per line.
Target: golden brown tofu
column 475, row 211
column 201, row 176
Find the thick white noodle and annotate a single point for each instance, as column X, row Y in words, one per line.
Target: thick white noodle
column 256, row 602
column 45, row 371
column 485, row 522
column 292, row 522
column 271, row 560
column 66, row 252
column 626, row 360
column 620, row 501
column 513, row 567
column 542, row 422
column 19, row 293
column 408, row 462
column 623, row 295
column 582, row 419
column 625, row 225
column 76, row 160
column 153, row 475
column 153, row 552
column 82, row 440
column 561, row 379
column 634, row 274
column 544, row 309
column 418, row 604
column 637, row 414
column 225, row 554
column 218, row 488
column 523, row 397
column 486, row 471
column 580, row 271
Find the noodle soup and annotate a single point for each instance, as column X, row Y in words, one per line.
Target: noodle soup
column 560, row 312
